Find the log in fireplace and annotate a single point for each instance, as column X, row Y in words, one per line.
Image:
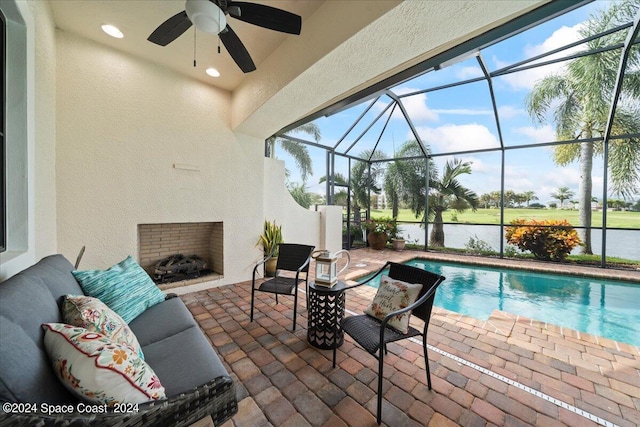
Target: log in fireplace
column 178, row 267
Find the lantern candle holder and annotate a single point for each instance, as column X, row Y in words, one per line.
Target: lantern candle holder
column 327, row 267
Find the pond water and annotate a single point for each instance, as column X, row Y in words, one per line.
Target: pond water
column 620, row 243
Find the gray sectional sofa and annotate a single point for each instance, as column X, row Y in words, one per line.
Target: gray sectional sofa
column 195, row 380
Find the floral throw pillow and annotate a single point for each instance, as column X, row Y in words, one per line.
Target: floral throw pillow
column 94, row 315
column 394, row 295
column 98, row 369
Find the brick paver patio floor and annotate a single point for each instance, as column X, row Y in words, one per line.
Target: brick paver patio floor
column 507, row 371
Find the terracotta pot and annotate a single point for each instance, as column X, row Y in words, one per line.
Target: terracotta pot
column 377, row 241
column 270, row 267
column 398, row 244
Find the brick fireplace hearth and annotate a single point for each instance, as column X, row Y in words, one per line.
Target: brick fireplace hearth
column 205, row 239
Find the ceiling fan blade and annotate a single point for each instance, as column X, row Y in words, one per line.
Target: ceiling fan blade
column 170, row 29
column 266, row 16
column 237, row 50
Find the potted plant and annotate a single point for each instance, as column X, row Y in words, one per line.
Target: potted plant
column 269, row 240
column 378, row 232
column 397, row 239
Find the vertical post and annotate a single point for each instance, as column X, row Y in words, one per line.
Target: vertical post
column 628, row 43
column 328, row 181
column 605, row 159
column 502, row 204
column 426, row 204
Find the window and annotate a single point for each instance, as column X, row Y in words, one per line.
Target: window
column 3, row 163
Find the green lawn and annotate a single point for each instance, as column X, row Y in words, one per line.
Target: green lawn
column 615, row 219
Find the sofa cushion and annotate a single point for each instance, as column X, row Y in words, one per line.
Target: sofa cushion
column 27, row 300
column 23, row 356
column 126, row 288
column 94, row 315
column 162, row 320
column 184, row 361
column 98, row 369
column 55, row 272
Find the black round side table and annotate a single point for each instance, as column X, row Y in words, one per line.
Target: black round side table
column 326, row 310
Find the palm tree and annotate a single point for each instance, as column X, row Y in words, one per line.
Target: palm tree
column 297, row 150
column 300, row 194
column 562, row 194
column 579, row 97
column 486, row 200
column 509, row 198
column 405, row 180
column 528, row 196
column 496, row 198
column 448, row 193
column 363, row 179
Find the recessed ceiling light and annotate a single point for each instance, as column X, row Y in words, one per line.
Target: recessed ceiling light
column 213, row 72
column 112, row 31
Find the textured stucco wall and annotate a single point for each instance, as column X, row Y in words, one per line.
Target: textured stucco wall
column 122, row 124
column 298, row 224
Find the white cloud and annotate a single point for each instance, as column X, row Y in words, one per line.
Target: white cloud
column 509, row 111
column 525, row 80
column 469, row 72
column 453, row 138
column 416, row 107
column 478, row 165
column 560, row 37
column 464, row 112
column 537, row 134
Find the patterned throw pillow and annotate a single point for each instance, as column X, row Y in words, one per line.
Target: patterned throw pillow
column 98, row 369
column 126, row 288
column 92, row 314
column 394, row 295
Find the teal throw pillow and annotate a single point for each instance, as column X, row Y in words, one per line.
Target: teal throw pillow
column 125, row 288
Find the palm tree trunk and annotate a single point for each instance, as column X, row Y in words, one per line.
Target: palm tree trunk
column 395, row 208
column 356, row 215
column 437, row 232
column 584, row 194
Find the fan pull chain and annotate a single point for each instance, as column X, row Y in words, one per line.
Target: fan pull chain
column 194, row 47
column 219, row 19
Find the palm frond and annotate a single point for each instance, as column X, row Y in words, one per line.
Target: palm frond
column 300, row 154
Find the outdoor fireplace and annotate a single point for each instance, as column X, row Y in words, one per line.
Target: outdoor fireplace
column 180, row 254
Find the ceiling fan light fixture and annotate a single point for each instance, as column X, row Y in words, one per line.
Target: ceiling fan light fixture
column 206, row 16
column 113, row 31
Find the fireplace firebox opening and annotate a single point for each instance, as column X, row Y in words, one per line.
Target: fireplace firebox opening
column 172, row 253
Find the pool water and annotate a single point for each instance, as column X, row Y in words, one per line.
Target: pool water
column 606, row 308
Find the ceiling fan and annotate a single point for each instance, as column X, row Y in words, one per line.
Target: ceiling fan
column 210, row 16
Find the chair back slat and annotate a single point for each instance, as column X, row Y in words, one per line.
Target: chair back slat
column 292, row 255
column 410, row 274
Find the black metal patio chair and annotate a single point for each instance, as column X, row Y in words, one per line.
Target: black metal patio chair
column 373, row 334
column 292, row 258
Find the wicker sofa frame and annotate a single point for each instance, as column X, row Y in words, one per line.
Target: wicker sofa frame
column 216, row 398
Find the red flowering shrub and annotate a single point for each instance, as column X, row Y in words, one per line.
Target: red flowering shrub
column 548, row 240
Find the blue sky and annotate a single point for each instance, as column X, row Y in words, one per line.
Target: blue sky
column 461, row 118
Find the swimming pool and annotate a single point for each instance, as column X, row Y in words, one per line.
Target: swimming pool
column 606, row 308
